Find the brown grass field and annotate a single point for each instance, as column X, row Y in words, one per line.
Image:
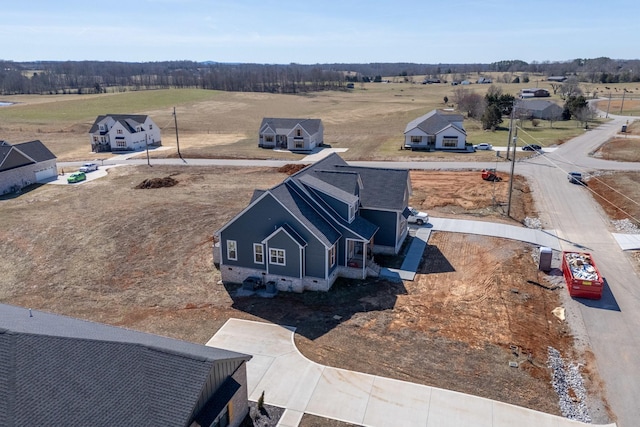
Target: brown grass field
column 368, row 120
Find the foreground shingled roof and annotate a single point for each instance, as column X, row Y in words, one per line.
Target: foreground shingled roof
column 56, row 370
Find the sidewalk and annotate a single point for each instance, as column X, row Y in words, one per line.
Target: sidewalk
column 291, row 381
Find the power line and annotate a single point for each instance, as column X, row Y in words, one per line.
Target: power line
column 554, row 164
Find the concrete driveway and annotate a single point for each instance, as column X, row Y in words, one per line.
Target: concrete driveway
column 291, row 381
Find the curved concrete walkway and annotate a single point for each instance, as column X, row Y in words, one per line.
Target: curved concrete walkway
column 291, row 381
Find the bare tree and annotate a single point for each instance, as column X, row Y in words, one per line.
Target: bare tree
column 570, row 88
column 555, row 87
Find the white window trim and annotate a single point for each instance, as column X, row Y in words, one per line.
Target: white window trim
column 274, row 251
column 232, row 245
column 332, row 256
column 255, row 253
column 352, row 212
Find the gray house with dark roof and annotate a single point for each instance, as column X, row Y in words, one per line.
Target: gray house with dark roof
column 436, row 130
column 123, row 132
column 322, row 222
column 291, row 134
column 538, row 109
column 56, row 370
column 24, row 164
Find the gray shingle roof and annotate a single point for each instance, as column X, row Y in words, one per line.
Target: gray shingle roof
column 329, row 189
column 381, row 187
column 535, row 104
column 25, row 153
column 130, row 121
column 302, row 208
column 282, row 125
column 36, row 150
column 434, row 121
column 55, row 370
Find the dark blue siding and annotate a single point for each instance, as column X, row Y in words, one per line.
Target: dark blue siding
column 292, row 255
column 386, row 235
column 340, row 207
column 258, row 223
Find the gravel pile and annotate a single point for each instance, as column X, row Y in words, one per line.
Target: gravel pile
column 532, row 223
column 567, row 382
column 625, row 226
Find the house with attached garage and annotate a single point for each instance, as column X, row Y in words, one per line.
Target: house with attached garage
column 323, row 222
column 291, row 134
column 60, row 371
column 124, row 132
column 24, row 164
column 436, row 130
column 538, row 109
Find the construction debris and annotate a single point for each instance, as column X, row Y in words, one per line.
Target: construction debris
column 567, row 382
column 558, row 312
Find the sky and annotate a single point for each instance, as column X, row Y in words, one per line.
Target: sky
column 322, row 31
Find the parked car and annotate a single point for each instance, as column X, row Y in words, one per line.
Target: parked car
column 483, row 146
column 575, row 177
column 76, row 177
column 417, row 217
column 88, row 167
column 532, row 147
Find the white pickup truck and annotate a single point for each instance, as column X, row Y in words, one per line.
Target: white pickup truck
column 88, row 167
column 417, row 217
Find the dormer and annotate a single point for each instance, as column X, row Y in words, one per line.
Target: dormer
column 343, row 204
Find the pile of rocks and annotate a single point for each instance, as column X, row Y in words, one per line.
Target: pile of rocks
column 625, row 226
column 567, row 382
column 532, row 223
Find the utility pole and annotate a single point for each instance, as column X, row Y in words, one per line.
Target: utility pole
column 624, row 91
column 513, row 165
column 510, row 130
column 146, row 143
column 608, row 105
column 175, row 120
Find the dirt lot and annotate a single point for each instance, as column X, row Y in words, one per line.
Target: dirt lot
column 141, row 258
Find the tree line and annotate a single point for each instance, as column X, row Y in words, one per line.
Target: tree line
column 54, row 77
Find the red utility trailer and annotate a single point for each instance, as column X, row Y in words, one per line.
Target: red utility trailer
column 581, row 274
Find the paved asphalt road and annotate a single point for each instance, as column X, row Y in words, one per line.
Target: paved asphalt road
column 612, row 324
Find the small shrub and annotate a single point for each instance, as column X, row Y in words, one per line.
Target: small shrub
column 261, row 401
column 535, row 122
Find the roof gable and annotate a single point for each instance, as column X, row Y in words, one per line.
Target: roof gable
column 36, row 150
column 122, row 118
column 284, row 125
column 13, row 158
column 434, row 121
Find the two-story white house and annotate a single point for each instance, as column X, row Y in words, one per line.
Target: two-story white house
column 291, row 134
column 436, row 130
column 123, row 132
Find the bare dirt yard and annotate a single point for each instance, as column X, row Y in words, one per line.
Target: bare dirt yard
column 107, row 251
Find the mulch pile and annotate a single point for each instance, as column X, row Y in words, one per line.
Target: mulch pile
column 157, row 183
column 290, row 168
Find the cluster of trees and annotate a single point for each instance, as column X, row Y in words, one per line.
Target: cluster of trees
column 99, row 76
column 491, row 108
column 96, row 77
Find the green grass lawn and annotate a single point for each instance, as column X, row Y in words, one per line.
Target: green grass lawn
column 88, row 107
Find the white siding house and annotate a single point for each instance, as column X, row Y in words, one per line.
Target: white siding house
column 291, row 134
column 123, row 132
column 436, row 130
